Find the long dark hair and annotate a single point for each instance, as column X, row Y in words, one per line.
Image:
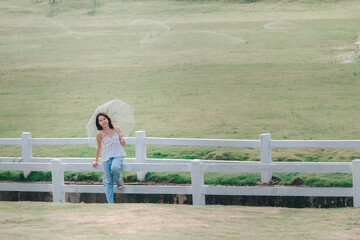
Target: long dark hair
column 99, row 127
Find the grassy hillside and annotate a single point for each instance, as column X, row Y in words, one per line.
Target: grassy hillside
column 202, row 69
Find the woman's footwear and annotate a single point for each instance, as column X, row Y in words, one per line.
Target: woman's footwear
column 120, row 186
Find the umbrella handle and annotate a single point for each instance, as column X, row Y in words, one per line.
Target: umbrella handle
column 122, row 142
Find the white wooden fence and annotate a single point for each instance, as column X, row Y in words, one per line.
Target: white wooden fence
column 141, row 164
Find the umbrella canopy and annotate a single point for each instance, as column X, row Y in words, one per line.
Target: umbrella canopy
column 121, row 115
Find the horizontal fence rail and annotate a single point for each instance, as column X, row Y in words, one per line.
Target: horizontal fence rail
column 25, row 166
column 315, row 143
column 203, row 142
column 141, row 164
column 279, row 191
column 10, row 141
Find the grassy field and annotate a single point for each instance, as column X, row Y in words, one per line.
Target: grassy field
column 25, row 220
column 197, row 69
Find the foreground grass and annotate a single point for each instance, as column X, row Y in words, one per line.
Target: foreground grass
column 31, row 220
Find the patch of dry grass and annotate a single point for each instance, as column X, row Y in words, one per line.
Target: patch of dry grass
column 27, row 220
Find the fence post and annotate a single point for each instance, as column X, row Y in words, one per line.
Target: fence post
column 26, row 149
column 57, row 174
column 197, row 183
column 356, row 182
column 265, row 150
column 140, row 152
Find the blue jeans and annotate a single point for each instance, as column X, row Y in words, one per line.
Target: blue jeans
column 111, row 169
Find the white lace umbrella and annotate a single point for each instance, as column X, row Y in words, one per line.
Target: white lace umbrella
column 121, row 115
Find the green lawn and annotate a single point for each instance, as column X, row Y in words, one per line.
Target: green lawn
column 197, row 69
column 31, row 220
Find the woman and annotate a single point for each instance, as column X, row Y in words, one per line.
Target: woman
column 110, row 142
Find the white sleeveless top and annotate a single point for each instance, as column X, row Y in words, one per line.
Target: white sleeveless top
column 111, row 147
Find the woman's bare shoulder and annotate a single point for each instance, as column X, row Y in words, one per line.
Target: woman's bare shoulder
column 99, row 135
column 117, row 128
